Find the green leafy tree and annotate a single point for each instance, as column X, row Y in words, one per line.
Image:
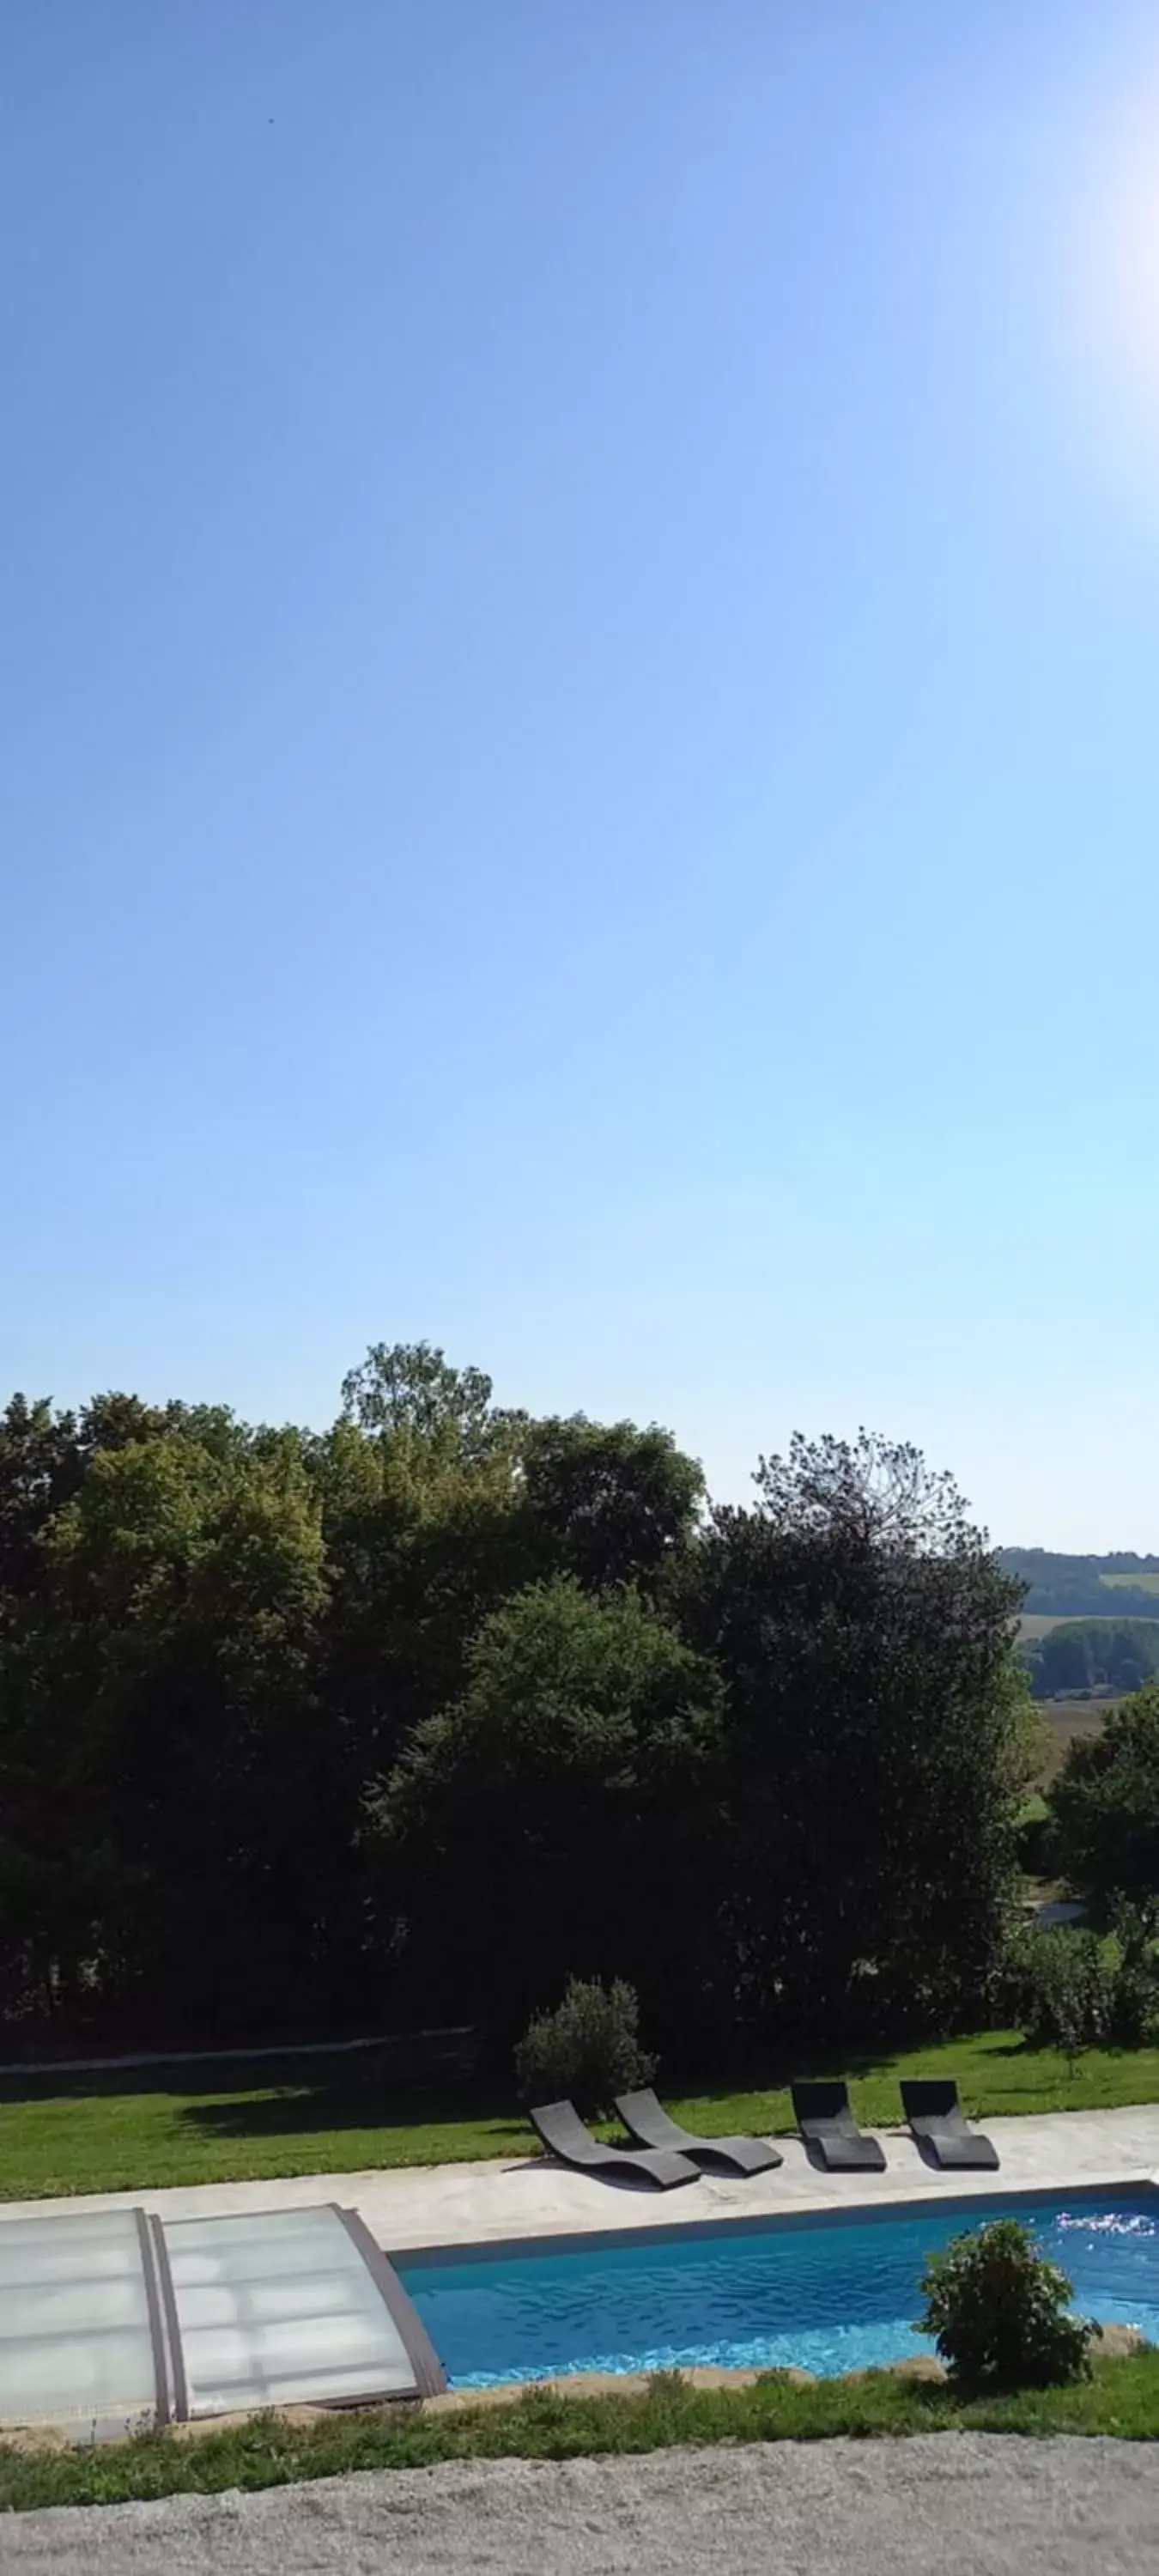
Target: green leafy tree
column 551, row 1822
column 762, row 1764
column 174, row 1669
column 416, row 1562
column 1106, row 1806
column 1067, row 1986
column 1066, row 1661
column 608, row 1503
column 1081, row 1655
column 876, row 1752
column 998, row 2310
column 435, row 1415
column 41, row 1466
column 586, row 2051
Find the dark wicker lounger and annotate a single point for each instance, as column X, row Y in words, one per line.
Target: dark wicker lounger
column 936, row 2118
column 562, row 2131
column 646, row 2120
column 827, row 2124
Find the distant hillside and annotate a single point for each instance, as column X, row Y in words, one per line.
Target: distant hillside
column 1120, row 1586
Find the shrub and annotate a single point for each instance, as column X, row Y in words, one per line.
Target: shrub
column 587, row 2050
column 1036, row 1840
column 1136, row 1926
column 998, row 2311
column 1135, row 2000
column 1065, row 1983
column 1106, row 1801
column 1133, row 2004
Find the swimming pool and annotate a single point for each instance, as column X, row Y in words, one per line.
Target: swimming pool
column 826, row 2293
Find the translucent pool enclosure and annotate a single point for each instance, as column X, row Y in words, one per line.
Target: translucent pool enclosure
column 114, row 2319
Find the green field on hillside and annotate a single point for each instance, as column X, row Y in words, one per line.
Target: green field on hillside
column 1132, row 1582
column 1034, row 1624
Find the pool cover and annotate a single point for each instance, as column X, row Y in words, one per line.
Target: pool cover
column 113, row 2319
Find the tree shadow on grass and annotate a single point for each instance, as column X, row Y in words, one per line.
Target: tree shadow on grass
column 805, row 2065
column 322, row 2108
column 1023, row 2047
column 220, row 2077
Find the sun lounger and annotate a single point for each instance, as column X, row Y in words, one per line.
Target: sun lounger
column 827, row 2126
column 647, row 2121
column 562, row 2131
column 936, row 2119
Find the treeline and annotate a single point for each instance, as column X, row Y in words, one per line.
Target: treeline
column 1112, row 1655
column 406, row 1722
column 1069, row 1587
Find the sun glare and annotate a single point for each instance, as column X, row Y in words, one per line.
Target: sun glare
column 1112, row 258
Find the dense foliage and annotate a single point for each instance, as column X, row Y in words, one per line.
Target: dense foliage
column 586, row 2051
column 1073, row 1992
column 1081, row 1655
column 416, row 1718
column 1106, row 1807
column 999, row 2312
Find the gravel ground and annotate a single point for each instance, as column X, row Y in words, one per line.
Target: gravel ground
column 936, row 2505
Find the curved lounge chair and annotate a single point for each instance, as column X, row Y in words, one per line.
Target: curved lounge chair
column 937, row 2122
column 826, row 2123
column 646, row 2120
column 559, row 2126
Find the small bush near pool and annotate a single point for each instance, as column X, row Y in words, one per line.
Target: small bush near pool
column 587, row 2050
column 999, row 2313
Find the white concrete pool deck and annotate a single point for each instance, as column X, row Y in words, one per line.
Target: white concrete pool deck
column 413, row 2205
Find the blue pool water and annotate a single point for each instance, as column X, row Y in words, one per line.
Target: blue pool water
column 828, row 2294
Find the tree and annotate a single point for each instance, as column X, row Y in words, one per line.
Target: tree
column 876, row 1742
column 610, row 1504
column 409, row 1394
column 1065, row 1660
column 587, row 2051
column 192, row 1788
column 866, row 1493
column 1106, row 1806
column 1069, row 1992
column 40, row 1467
column 999, row 2312
column 422, row 1716
column 549, row 1823
column 1078, row 1654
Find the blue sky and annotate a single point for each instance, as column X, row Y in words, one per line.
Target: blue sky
column 581, row 710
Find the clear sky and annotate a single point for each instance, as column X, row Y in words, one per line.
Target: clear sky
column 580, row 709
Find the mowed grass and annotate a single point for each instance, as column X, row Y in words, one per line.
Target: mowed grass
column 1122, row 2400
column 141, row 2132
column 1132, row 1582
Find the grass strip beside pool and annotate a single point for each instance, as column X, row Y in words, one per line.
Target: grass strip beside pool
column 1122, row 2400
column 256, row 2122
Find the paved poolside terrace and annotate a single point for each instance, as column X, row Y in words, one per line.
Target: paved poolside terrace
column 407, row 2206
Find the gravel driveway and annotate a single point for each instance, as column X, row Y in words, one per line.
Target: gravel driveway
column 938, row 2505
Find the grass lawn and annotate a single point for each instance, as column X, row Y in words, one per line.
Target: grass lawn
column 1122, row 2399
column 132, row 2132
